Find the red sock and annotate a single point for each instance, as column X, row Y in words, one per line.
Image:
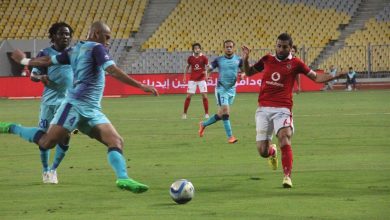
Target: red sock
column 206, row 105
column 271, row 151
column 287, row 159
column 187, row 104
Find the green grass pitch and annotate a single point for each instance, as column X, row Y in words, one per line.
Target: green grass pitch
column 341, row 163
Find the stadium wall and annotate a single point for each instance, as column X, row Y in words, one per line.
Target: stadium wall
column 23, row 87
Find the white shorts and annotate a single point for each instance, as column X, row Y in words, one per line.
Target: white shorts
column 193, row 84
column 270, row 120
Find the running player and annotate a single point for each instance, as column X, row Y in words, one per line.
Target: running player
column 82, row 108
column 228, row 67
column 198, row 63
column 57, row 79
column 274, row 113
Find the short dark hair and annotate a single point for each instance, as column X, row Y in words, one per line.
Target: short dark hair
column 196, row 44
column 54, row 28
column 286, row 37
column 295, row 48
column 228, row 41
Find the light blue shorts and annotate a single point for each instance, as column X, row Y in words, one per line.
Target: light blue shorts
column 46, row 115
column 225, row 97
column 69, row 117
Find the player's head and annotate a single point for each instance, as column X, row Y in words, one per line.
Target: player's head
column 294, row 50
column 284, row 44
column 228, row 46
column 350, row 69
column 60, row 35
column 196, row 48
column 100, row 32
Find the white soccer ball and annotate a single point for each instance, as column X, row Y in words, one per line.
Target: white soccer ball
column 182, row 191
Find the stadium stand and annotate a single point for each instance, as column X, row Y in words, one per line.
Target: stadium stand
column 24, row 20
column 211, row 22
column 373, row 41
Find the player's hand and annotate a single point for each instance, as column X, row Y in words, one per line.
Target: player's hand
column 18, row 55
column 151, row 89
column 45, row 80
column 35, row 77
column 241, row 76
column 245, row 52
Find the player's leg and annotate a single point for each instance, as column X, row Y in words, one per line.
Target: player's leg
column 264, row 130
column 284, row 127
column 61, row 149
column 102, row 130
column 216, row 117
column 203, row 90
column 225, row 112
column 191, row 89
column 45, row 116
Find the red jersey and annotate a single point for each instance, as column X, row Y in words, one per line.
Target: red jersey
column 198, row 65
column 278, row 80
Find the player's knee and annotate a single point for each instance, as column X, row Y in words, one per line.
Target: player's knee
column 117, row 142
column 225, row 117
column 263, row 149
column 47, row 142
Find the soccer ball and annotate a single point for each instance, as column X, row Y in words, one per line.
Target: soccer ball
column 182, row 191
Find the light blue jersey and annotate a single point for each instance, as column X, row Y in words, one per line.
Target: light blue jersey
column 88, row 60
column 61, row 79
column 60, row 76
column 228, row 68
column 82, row 109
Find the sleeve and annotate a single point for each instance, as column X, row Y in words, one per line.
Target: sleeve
column 62, row 58
column 206, row 60
column 303, row 68
column 259, row 66
column 214, row 64
column 37, row 70
column 240, row 63
column 101, row 56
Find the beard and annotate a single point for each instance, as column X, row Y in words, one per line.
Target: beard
column 281, row 57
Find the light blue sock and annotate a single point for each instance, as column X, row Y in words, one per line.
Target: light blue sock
column 45, row 154
column 226, row 125
column 30, row 134
column 60, row 154
column 211, row 120
column 117, row 162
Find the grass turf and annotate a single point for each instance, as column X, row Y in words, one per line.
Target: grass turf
column 341, row 163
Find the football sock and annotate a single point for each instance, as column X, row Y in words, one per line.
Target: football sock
column 271, row 151
column 211, row 120
column 287, row 159
column 30, row 134
column 117, row 162
column 187, row 104
column 206, row 105
column 226, row 125
column 60, row 154
column 45, row 154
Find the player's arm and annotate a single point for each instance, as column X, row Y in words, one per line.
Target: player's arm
column 323, row 78
column 20, row 57
column 120, row 75
column 185, row 72
column 246, row 68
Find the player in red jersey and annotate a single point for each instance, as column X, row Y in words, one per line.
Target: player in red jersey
column 274, row 114
column 198, row 63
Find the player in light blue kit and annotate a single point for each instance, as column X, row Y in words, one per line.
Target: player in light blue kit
column 57, row 79
column 228, row 67
column 81, row 108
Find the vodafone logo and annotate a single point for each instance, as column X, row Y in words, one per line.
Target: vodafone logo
column 275, row 76
column 196, row 67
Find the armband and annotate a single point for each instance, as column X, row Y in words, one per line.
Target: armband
column 25, row 61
